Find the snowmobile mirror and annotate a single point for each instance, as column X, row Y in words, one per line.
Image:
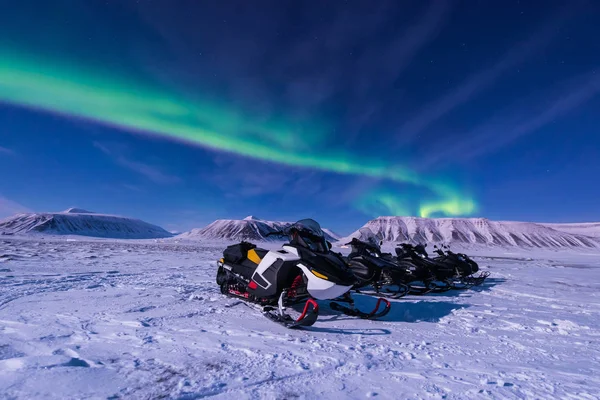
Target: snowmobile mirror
column 381, row 243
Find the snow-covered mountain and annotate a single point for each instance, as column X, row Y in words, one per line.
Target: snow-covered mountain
column 584, row 228
column 250, row 229
column 331, row 234
column 466, row 231
column 76, row 221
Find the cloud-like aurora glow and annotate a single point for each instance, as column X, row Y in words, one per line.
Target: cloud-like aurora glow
column 135, row 106
column 383, row 201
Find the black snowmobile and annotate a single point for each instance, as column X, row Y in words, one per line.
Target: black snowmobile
column 374, row 270
column 436, row 277
column 301, row 271
column 464, row 265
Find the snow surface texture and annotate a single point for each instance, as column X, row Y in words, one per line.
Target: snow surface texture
column 480, row 231
column 144, row 320
column 75, row 221
column 249, row 229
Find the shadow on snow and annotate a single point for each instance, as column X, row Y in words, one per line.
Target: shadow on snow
column 428, row 308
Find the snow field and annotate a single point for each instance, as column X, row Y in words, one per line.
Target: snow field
column 138, row 319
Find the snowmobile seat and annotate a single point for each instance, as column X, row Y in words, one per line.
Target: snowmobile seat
column 244, row 257
column 236, row 253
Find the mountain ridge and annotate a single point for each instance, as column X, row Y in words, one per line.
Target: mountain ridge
column 249, row 229
column 475, row 231
column 76, row 221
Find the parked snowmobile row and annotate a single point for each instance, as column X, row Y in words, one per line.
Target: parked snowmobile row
column 302, row 270
column 305, row 270
column 411, row 271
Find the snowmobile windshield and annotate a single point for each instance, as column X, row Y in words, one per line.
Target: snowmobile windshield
column 307, row 233
column 367, row 236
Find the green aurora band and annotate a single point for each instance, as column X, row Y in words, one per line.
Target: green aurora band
column 380, row 201
column 134, row 106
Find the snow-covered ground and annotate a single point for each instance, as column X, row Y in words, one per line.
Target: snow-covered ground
column 144, row 319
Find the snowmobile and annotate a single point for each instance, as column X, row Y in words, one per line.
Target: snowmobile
column 465, row 266
column 303, row 270
column 436, row 277
column 373, row 270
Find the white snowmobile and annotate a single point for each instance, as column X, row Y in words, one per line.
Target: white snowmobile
column 302, row 270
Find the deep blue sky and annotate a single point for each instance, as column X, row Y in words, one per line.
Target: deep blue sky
column 499, row 100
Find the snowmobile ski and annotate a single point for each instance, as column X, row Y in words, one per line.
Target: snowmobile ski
column 352, row 311
column 476, row 280
column 386, row 291
column 307, row 318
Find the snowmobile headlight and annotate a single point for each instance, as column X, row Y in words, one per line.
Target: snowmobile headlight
column 319, row 275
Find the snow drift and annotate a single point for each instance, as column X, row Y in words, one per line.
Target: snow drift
column 249, row 229
column 467, row 231
column 76, row 221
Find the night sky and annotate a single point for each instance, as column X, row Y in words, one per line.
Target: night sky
column 180, row 112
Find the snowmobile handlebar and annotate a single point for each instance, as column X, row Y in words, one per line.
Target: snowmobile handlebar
column 363, row 245
column 412, row 249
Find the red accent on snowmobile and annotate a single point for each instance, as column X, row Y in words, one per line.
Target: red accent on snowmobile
column 386, row 308
column 244, row 295
column 314, row 305
column 252, row 285
column 292, row 292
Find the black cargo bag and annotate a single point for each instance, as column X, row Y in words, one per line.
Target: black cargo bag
column 236, row 253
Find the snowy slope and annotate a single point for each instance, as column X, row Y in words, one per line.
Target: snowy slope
column 80, row 222
column 475, row 231
column 75, row 210
column 250, row 228
column 585, row 228
column 333, row 236
column 144, row 320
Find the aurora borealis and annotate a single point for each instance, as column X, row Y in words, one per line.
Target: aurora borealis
column 184, row 112
column 83, row 93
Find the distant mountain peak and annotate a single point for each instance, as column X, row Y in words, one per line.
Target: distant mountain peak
column 75, row 210
column 82, row 223
column 332, row 234
column 249, row 228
